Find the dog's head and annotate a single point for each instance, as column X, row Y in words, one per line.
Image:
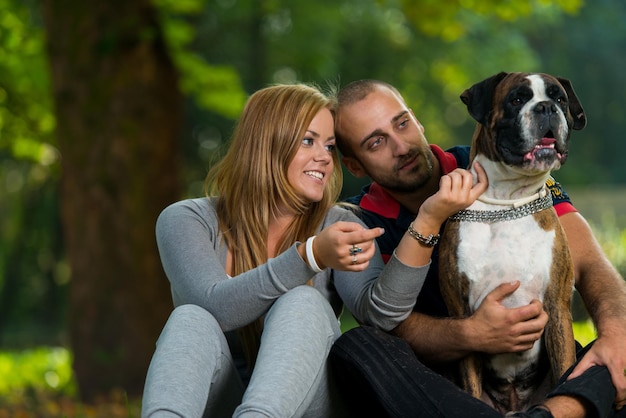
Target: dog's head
column 524, row 119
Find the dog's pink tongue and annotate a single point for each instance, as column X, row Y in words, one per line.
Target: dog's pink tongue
column 544, row 143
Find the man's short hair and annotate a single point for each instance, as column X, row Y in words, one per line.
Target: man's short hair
column 352, row 93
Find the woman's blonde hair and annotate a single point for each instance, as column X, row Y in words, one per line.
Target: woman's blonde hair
column 251, row 181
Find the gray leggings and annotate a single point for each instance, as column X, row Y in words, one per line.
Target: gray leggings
column 192, row 373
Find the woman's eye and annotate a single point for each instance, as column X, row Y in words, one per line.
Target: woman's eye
column 307, row 141
column 331, row 148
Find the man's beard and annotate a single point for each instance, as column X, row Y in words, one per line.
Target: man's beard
column 418, row 176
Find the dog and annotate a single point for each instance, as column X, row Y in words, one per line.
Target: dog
column 512, row 232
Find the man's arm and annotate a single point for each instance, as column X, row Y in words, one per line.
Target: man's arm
column 603, row 291
column 491, row 329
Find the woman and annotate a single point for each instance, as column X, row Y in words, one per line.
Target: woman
column 260, row 268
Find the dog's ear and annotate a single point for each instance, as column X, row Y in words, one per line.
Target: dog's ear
column 479, row 97
column 575, row 108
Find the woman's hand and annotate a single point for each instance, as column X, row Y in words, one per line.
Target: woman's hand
column 346, row 246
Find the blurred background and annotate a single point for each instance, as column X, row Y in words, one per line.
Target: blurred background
column 111, row 110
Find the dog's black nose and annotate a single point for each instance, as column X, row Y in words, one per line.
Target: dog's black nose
column 545, row 107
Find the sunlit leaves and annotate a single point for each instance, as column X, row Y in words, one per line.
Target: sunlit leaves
column 444, row 19
column 25, row 101
column 42, row 152
column 180, row 6
column 569, row 6
column 214, row 88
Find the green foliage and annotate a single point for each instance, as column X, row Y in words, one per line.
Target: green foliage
column 28, row 166
column 40, row 383
column 26, row 119
column 447, row 20
column 28, row 156
column 39, row 369
column 584, row 332
column 216, row 88
column 613, row 241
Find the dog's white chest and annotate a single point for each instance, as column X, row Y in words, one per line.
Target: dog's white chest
column 492, row 254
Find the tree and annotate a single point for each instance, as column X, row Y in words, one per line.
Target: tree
column 118, row 111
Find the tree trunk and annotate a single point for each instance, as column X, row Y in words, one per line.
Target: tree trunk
column 118, row 111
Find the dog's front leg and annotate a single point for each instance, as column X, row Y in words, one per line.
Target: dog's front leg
column 454, row 288
column 559, row 336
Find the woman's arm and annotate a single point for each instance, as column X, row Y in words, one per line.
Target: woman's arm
column 193, row 257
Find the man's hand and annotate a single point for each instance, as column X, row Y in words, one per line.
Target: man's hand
column 498, row 329
column 608, row 350
column 493, row 328
column 457, row 190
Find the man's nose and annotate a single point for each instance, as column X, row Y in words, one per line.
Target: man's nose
column 399, row 146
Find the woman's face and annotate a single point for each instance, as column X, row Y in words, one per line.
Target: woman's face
column 312, row 165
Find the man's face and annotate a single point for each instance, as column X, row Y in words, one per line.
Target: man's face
column 387, row 142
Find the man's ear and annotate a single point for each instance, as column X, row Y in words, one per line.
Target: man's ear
column 353, row 166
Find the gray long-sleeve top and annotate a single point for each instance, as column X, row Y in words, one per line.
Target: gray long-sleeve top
column 193, row 254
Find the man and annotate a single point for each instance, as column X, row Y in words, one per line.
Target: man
column 380, row 137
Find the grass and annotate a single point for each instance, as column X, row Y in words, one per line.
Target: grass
column 39, row 383
column 40, row 369
column 584, row 332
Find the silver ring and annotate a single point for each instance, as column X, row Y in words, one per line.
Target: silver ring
column 355, row 250
column 354, row 258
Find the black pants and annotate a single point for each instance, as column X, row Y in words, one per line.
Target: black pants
column 380, row 376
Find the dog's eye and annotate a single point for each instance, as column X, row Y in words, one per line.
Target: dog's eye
column 516, row 101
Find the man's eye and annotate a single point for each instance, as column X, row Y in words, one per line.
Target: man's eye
column 375, row 142
column 403, row 123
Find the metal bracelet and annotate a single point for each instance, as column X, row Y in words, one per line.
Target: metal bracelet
column 429, row 241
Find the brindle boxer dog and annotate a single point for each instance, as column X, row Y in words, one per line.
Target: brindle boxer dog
column 512, row 232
